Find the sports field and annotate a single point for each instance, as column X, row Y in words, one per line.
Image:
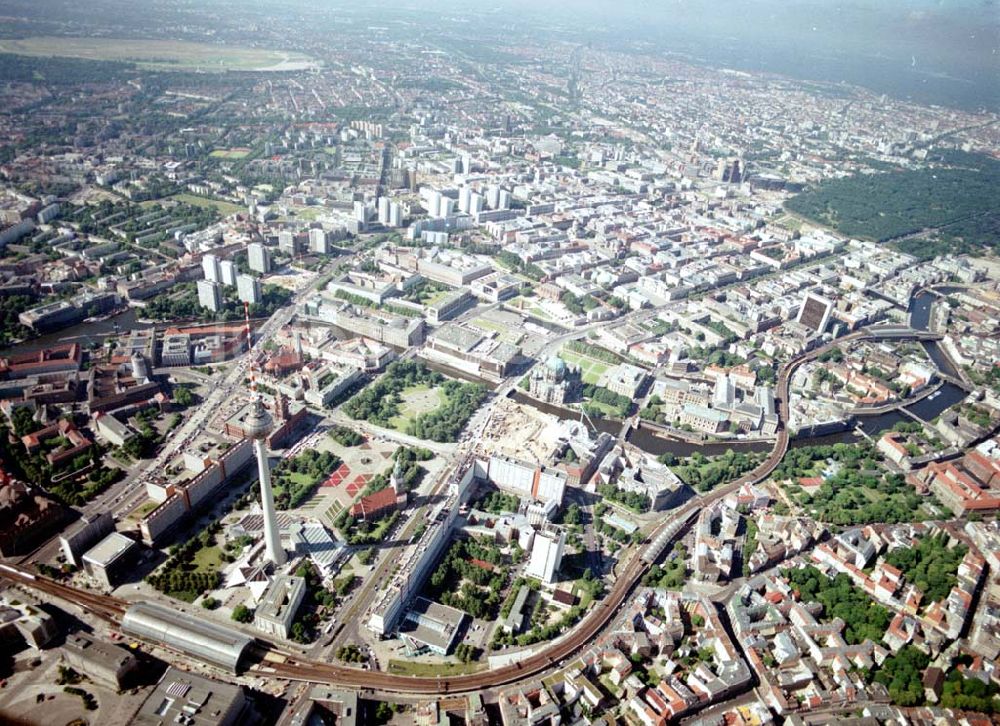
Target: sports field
column 159, row 54
column 590, row 370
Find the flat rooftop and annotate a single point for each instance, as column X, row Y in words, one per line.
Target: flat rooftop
column 431, row 623
column 109, row 549
column 184, row 697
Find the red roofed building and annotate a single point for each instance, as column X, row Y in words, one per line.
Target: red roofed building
column 958, row 490
column 377, row 505
column 77, row 442
column 58, row 359
column 284, row 362
column 985, row 469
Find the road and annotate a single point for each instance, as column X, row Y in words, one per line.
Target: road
column 226, row 388
column 275, row 663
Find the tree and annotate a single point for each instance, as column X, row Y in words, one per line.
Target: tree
column 23, row 421
column 931, row 565
column 242, row 614
column 183, row 396
column 901, row 674
column 572, row 515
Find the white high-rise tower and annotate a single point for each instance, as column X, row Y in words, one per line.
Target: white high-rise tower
column 257, row 426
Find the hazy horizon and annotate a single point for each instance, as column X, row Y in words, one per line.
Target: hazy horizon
column 943, row 52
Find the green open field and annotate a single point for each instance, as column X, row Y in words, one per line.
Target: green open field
column 416, row 400
column 144, row 509
column 158, row 54
column 411, row 668
column 591, row 370
column 224, row 207
column 505, row 332
column 526, row 305
column 310, row 214
column 208, row 559
column 230, row 153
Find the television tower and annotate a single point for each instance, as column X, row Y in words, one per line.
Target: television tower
column 257, row 426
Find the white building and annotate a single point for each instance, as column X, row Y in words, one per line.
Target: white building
column 395, row 215
column 318, row 241
column 276, row 611
column 229, row 272
column 546, row 555
column 259, row 258
column 248, row 288
column 212, row 269
column 210, row 295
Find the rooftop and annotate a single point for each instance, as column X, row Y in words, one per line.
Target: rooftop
column 186, row 698
column 109, row 549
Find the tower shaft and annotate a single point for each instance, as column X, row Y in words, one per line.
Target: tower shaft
column 272, row 538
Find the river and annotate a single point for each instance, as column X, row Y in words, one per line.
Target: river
column 653, row 443
column 84, row 333
column 926, row 409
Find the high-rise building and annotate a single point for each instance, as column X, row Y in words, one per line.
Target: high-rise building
column 446, row 206
column 318, row 242
column 546, row 555
column 229, row 272
column 464, row 199
column 476, row 203
column 395, row 215
column 383, row 210
column 259, row 257
column 729, row 170
column 504, row 199
column 212, row 269
column 210, row 295
column 434, row 203
column 256, row 427
column 248, row 289
column 290, row 242
column 360, row 212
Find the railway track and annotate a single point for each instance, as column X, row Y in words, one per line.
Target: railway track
column 271, row 661
column 106, row 607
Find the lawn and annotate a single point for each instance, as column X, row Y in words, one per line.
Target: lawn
column 489, row 325
column 309, row 214
column 416, row 400
column 160, row 54
column 144, row 509
column 604, row 408
column 413, row 668
column 591, row 370
column 300, row 478
column 505, row 332
column 225, row 208
column 230, row 153
column 208, row 559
